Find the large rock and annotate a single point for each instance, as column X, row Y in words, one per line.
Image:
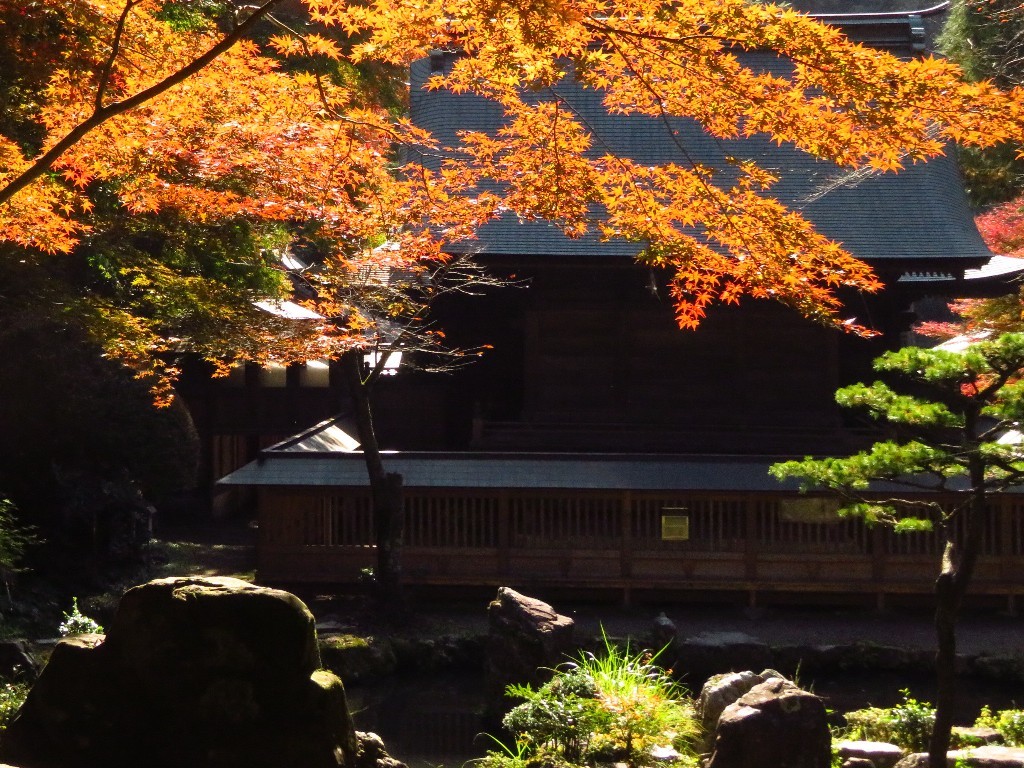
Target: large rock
column 774, row 725
column 718, row 693
column 198, row 672
column 526, row 638
column 16, row 660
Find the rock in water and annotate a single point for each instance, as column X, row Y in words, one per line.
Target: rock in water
column 197, row 672
column 527, row 639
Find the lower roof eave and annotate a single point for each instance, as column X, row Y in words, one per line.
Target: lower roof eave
column 554, row 472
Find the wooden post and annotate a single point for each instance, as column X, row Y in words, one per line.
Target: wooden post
column 877, row 537
column 626, row 547
column 626, row 536
column 504, row 534
column 751, row 546
column 1005, row 511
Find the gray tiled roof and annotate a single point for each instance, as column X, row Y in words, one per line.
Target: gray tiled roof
column 551, row 471
column 604, row 472
column 920, row 213
column 318, row 458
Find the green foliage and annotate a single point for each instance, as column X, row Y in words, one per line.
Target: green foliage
column 947, row 411
column 560, row 717
column 985, row 38
column 644, row 705
column 77, row 623
column 192, row 15
column 991, row 176
column 617, row 706
column 908, row 725
column 979, row 35
column 12, row 696
column 1009, row 723
column 15, row 539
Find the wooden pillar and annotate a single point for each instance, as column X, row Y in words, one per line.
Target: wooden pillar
column 626, row 546
column 626, row 536
column 751, row 546
column 1004, row 511
column 504, row 534
column 877, row 534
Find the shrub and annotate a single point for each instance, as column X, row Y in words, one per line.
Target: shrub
column 908, row 725
column 77, row 623
column 559, row 718
column 642, row 706
column 1009, row 723
column 12, row 696
column 618, row 706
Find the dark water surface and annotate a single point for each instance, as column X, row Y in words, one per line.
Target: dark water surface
column 438, row 719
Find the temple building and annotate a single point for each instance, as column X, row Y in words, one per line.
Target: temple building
column 597, row 446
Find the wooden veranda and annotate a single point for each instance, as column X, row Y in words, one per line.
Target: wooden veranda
column 630, row 541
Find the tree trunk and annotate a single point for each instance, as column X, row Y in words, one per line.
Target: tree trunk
column 957, row 568
column 388, row 519
column 947, row 603
column 385, row 489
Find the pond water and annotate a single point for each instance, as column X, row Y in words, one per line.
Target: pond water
column 438, row 720
column 425, row 721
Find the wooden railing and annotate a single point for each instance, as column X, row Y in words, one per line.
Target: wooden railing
column 626, row 540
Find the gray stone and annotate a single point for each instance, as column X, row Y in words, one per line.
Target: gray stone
column 718, row 693
column 356, row 659
column 807, row 658
column 857, row 762
column 879, row 754
column 526, row 638
column 428, row 654
column 988, row 756
column 198, row 672
column 975, row 736
column 16, row 660
column 712, row 653
column 774, row 725
column 370, row 752
column 663, row 631
column 871, row 656
column 1002, row 667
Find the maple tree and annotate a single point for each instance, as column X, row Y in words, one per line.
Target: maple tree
column 180, row 204
column 951, row 414
column 1002, row 229
column 153, row 112
column 169, row 159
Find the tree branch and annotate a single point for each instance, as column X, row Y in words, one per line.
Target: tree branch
column 102, row 114
column 115, row 48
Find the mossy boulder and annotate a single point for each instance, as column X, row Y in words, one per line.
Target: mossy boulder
column 203, row 672
column 773, row 725
column 356, row 659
